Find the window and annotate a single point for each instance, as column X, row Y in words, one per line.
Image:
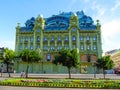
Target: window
column 52, row 48
column 94, row 38
column 52, row 38
column 38, row 46
column 66, row 38
column 95, row 47
column 88, row 47
column 20, row 39
column 66, row 47
column 81, row 38
column 26, row 47
column 38, row 38
column 59, row 47
column 59, row 38
column 48, row 57
column 88, row 38
column 74, row 46
column 45, row 38
column 20, row 47
column 31, row 47
column 26, row 39
column 38, row 30
column 73, row 29
column 74, row 38
column 81, row 47
column 45, row 47
column 31, row 38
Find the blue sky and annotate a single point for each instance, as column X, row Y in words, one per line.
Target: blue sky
column 14, row 11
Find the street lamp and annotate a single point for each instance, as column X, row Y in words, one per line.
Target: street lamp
column 94, row 64
column 39, row 50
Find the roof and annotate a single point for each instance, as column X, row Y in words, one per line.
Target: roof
column 61, row 22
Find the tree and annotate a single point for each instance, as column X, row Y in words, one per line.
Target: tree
column 68, row 58
column 105, row 63
column 8, row 58
column 29, row 57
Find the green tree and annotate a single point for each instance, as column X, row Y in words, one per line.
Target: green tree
column 8, row 58
column 105, row 63
column 29, row 57
column 68, row 58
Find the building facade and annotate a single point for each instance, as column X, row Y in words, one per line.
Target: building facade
column 66, row 30
column 115, row 56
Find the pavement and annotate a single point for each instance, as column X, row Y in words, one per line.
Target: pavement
column 36, row 88
column 81, row 76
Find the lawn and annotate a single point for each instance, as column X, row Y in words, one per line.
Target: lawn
column 63, row 83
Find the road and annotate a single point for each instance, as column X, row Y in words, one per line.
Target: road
column 34, row 88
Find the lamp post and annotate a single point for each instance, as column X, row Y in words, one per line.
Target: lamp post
column 42, row 60
column 94, row 64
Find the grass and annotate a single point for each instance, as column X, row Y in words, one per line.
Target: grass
column 63, row 83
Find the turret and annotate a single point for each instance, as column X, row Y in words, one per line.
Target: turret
column 18, row 27
column 39, row 23
column 74, row 20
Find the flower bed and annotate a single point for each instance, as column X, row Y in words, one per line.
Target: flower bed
column 63, row 83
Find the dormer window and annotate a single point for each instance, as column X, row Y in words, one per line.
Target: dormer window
column 73, row 29
column 38, row 30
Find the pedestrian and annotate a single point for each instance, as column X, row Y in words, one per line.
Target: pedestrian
column 22, row 74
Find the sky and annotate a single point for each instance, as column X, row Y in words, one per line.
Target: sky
column 18, row 11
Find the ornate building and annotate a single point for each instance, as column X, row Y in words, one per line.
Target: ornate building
column 66, row 30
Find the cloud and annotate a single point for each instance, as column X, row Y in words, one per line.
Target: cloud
column 110, row 35
column 8, row 44
column 71, row 4
column 116, row 6
column 98, row 9
column 86, row 1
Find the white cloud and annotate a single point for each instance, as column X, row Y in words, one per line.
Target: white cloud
column 99, row 9
column 86, row 1
column 110, row 35
column 8, row 44
column 116, row 6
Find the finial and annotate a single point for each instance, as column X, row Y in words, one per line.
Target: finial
column 97, row 21
column 74, row 14
column 18, row 24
